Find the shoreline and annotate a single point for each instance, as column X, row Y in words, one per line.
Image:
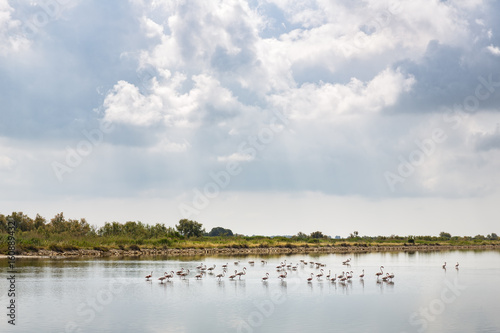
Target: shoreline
column 247, row 251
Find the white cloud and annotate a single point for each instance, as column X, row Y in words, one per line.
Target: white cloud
column 11, row 38
column 493, row 50
column 327, row 101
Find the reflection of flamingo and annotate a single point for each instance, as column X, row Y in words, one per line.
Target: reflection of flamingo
column 379, row 273
column 362, row 275
column 265, row 277
column 444, row 265
column 149, row 276
column 309, row 279
column 456, row 266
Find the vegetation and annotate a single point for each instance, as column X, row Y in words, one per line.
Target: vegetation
column 62, row 235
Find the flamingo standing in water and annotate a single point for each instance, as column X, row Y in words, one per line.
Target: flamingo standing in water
column 379, row 273
column 219, row 276
column 170, row 275
column 318, row 276
column 283, row 276
column 265, row 277
column 362, row 275
column 456, row 266
column 309, row 279
column 334, row 278
column 329, row 274
column 211, row 269
column 161, row 278
column 184, row 274
column 242, row 273
column 149, row 276
column 231, row 277
column 444, row 265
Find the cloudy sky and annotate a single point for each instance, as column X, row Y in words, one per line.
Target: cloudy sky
column 266, row 117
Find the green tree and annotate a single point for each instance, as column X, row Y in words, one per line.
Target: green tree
column 493, row 236
column 445, row 235
column 219, row 231
column 301, row 235
column 317, row 234
column 190, row 228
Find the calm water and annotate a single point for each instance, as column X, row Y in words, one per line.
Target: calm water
column 111, row 295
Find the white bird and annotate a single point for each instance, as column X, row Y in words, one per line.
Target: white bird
column 265, row 277
column 242, row 273
column 379, row 273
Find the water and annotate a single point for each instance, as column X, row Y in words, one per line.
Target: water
column 112, row 295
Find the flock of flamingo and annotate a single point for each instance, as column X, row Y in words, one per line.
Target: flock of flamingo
column 282, row 270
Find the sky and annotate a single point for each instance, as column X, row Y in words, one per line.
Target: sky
column 265, row 117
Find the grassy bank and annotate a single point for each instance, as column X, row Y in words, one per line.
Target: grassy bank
column 33, row 242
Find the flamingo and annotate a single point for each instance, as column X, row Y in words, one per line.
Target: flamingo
column 198, row 276
column 211, row 269
column 309, row 279
column 180, row 272
column 349, row 275
column 224, row 266
column 200, row 266
column 444, row 265
column 379, row 273
column 346, row 262
column 283, row 276
column 242, row 273
column 263, row 262
column 333, row 278
column 184, row 274
column 341, row 276
column 161, row 278
column 236, row 262
column 384, row 278
column 390, row 276
column 362, row 275
column 318, row 276
column 251, row 262
column 265, row 277
column 219, row 276
column 169, row 276
column 149, row 276
column 329, row 273
column 456, row 266
column 234, row 275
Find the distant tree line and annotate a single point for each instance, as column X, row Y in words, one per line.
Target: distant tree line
column 59, row 224
column 184, row 229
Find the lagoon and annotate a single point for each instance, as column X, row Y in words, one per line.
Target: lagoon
column 112, row 294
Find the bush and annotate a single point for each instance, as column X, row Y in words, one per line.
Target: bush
column 56, row 248
column 134, row 247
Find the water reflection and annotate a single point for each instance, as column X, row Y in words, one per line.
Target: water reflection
column 187, row 305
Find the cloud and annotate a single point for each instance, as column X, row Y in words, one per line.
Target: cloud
column 494, row 50
column 11, row 38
